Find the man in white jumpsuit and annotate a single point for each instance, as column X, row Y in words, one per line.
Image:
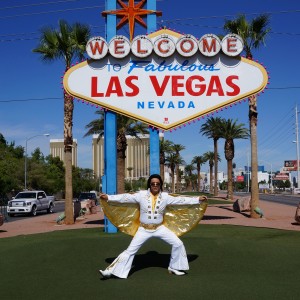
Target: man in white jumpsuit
column 152, row 206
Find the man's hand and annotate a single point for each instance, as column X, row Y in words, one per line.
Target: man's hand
column 202, row 198
column 103, row 197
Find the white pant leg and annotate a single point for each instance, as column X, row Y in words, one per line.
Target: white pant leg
column 178, row 259
column 121, row 266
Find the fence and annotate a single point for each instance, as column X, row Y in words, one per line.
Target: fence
column 3, row 210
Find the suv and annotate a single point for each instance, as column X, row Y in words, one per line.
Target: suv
column 88, row 196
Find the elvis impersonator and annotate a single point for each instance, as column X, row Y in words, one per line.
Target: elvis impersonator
column 154, row 214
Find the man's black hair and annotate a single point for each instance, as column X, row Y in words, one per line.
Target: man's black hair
column 155, row 176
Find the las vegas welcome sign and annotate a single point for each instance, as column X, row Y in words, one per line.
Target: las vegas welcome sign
column 165, row 79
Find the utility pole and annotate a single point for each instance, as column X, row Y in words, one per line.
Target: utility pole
column 297, row 145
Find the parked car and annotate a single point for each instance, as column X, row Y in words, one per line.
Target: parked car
column 88, row 196
column 30, row 202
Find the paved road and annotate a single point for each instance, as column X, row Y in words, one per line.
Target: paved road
column 291, row 200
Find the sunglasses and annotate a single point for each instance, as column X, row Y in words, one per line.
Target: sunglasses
column 155, row 184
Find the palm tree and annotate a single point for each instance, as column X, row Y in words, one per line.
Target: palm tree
column 172, row 160
column 67, row 43
column 210, row 157
column 165, row 147
column 198, row 160
column 189, row 171
column 253, row 34
column 177, row 148
column 230, row 131
column 211, row 128
column 125, row 126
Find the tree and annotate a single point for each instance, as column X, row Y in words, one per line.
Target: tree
column 253, row 34
column 210, row 157
column 189, row 178
column 230, row 131
column 125, row 126
column 211, row 129
column 176, row 148
column 66, row 43
column 165, row 148
column 172, row 160
column 198, row 160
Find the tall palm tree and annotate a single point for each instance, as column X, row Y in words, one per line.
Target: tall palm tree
column 210, row 157
column 198, row 160
column 125, row 126
column 253, row 34
column 173, row 160
column 230, row 131
column 67, row 43
column 211, row 129
column 189, row 171
column 176, row 148
column 165, row 148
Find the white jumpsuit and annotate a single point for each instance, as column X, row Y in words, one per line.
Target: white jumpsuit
column 121, row 266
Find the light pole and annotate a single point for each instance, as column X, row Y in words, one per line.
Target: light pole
column 25, row 167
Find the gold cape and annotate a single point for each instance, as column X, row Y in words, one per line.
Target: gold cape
column 178, row 218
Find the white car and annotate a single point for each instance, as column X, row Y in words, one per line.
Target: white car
column 30, row 202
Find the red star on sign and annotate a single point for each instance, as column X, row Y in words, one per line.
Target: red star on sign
column 131, row 13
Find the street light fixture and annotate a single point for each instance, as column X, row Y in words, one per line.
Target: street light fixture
column 25, row 168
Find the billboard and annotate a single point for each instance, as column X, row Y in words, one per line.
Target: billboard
column 239, row 178
column 290, row 165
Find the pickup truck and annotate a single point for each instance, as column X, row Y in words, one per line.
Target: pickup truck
column 30, row 202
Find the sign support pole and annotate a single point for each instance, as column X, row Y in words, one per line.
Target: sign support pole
column 110, row 131
column 154, row 133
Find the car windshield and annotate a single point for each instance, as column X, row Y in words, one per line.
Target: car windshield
column 87, row 196
column 26, row 195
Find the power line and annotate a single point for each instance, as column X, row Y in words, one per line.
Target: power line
column 30, row 99
column 50, row 12
column 37, row 4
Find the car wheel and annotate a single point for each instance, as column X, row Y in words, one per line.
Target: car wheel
column 33, row 210
column 50, row 209
column 11, row 215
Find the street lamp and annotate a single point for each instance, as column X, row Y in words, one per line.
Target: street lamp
column 27, row 139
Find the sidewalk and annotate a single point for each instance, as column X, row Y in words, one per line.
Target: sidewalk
column 277, row 216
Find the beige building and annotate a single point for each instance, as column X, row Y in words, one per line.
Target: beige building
column 57, row 150
column 137, row 156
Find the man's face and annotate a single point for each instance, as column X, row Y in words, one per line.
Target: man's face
column 154, row 186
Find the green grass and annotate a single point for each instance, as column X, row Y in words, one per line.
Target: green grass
column 226, row 262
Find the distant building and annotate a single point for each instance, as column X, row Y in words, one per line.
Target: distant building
column 137, row 156
column 57, row 150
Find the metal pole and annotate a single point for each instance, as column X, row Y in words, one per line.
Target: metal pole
column 271, row 179
column 297, row 145
column 248, row 173
column 25, row 179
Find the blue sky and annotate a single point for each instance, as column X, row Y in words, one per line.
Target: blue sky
column 31, row 99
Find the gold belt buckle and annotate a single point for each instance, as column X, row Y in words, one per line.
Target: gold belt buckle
column 150, row 226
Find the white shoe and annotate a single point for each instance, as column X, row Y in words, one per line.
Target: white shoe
column 105, row 273
column 176, row 272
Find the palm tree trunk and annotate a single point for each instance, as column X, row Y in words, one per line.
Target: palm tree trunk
column 229, row 186
column 254, row 159
column 178, row 184
column 162, row 172
column 211, row 179
column 216, row 167
column 68, row 143
column 199, row 180
column 121, row 175
column 173, row 180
